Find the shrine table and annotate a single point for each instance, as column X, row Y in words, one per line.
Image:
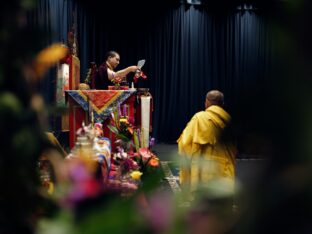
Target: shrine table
column 101, row 102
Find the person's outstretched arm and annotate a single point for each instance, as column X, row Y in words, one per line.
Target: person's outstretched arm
column 119, row 75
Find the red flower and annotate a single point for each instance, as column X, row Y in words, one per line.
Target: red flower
column 138, row 75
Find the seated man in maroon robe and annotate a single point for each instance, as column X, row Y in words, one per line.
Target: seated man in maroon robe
column 106, row 76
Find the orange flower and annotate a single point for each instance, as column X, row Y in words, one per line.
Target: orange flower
column 130, row 130
column 154, row 162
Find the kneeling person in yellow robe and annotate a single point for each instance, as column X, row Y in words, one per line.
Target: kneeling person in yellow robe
column 205, row 156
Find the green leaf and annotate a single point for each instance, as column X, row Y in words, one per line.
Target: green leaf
column 118, row 134
column 113, row 129
column 136, row 141
column 122, row 137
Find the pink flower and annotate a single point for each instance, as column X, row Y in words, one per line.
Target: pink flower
column 145, row 153
column 159, row 212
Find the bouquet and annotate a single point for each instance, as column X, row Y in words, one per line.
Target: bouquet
column 121, row 126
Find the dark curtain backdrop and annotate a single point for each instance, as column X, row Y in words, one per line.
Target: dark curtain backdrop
column 188, row 50
column 54, row 18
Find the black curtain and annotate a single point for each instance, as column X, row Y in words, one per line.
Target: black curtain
column 188, row 50
column 53, row 19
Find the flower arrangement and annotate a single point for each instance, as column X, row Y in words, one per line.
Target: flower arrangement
column 131, row 158
column 116, row 84
column 119, row 84
column 120, row 124
column 147, row 160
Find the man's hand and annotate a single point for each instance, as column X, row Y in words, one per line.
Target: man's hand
column 134, row 68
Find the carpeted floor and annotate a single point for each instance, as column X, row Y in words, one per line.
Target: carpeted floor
column 171, row 173
column 248, row 169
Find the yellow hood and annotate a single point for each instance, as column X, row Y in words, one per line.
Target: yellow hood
column 209, row 124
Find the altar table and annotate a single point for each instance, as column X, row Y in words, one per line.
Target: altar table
column 100, row 102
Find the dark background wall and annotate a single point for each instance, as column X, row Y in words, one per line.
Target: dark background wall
column 189, row 49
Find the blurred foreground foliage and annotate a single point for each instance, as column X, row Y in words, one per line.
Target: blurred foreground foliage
column 281, row 202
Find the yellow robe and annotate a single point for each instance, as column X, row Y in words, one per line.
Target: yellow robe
column 205, row 157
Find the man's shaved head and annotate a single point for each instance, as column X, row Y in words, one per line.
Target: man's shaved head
column 215, row 97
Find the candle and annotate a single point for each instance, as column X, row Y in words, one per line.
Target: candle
column 119, row 110
column 124, row 110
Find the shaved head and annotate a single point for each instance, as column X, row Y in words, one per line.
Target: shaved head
column 215, row 97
